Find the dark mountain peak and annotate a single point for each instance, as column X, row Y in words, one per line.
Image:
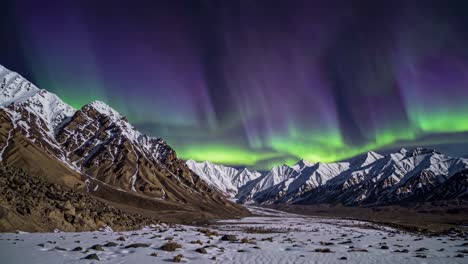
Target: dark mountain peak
column 303, row 163
column 421, row 151
column 403, row 151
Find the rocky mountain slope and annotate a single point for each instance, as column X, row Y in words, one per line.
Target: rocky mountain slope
column 29, row 203
column 370, row 179
column 95, row 149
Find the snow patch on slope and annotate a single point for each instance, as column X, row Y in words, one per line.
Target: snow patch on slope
column 16, row 91
column 104, row 109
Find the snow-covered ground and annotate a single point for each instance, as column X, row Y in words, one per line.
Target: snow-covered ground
column 273, row 237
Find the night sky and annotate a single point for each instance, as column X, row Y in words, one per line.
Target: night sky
column 256, row 83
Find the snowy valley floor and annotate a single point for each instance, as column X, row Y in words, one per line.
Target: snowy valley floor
column 273, row 237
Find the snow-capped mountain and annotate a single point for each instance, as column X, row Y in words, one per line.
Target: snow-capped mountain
column 225, row 179
column 284, row 183
column 365, row 159
column 269, row 183
column 30, row 106
column 368, row 179
column 94, row 148
column 403, row 176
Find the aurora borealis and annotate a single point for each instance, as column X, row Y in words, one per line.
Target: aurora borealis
column 256, row 83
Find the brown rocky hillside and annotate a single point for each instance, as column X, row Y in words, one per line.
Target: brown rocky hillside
column 29, row 203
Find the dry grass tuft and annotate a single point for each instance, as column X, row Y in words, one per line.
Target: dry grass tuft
column 170, row 246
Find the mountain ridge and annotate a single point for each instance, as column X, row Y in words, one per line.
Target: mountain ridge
column 96, row 150
column 367, row 179
column 223, row 178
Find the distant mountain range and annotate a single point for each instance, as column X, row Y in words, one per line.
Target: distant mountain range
column 405, row 176
column 97, row 150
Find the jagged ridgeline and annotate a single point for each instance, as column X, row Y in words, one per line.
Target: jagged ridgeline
column 95, row 149
column 405, row 176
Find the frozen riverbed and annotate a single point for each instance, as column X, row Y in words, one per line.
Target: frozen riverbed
column 273, row 237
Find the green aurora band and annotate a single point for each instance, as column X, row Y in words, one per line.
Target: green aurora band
column 256, row 85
